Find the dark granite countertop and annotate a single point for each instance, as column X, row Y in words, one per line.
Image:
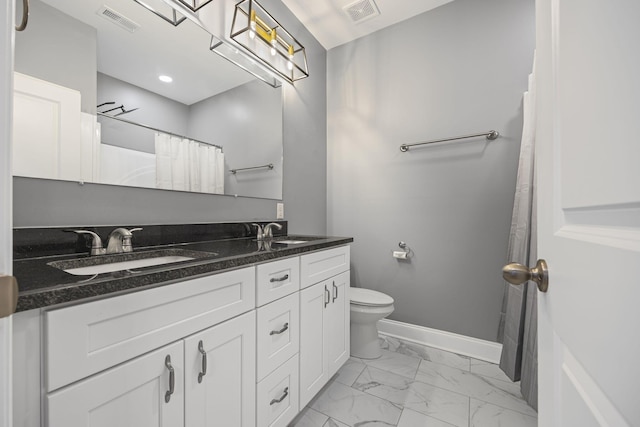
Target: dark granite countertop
column 42, row 284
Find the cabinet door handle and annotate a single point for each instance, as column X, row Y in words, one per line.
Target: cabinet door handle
column 327, row 295
column 335, row 292
column 284, row 395
column 25, row 16
column 279, row 279
column 284, row 328
column 172, row 379
column 203, row 372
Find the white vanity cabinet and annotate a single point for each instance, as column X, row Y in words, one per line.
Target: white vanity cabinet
column 205, row 380
column 242, row 348
column 85, row 339
column 324, row 319
column 136, row 355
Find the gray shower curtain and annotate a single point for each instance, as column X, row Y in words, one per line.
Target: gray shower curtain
column 518, row 320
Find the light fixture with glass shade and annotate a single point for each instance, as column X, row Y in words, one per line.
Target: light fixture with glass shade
column 170, row 14
column 257, row 43
column 260, row 34
column 194, row 5
column 163, row 10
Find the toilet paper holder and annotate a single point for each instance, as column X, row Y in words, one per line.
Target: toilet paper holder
column 404, row 253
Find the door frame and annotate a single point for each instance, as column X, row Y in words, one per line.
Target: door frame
column 7, row 39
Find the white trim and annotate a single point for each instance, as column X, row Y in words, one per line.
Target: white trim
column 7, row 23
column 467, row 346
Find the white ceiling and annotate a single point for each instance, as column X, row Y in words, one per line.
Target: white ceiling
column 156, row 48
column 331, row 26
column 182, row 52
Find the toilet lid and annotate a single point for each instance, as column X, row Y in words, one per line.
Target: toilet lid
column 369, row 297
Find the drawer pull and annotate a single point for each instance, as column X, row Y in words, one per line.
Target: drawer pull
column 172, row 379
column 327, row 295
column 279, row 279
column 204, row 361
column 335, row 292
column 284, row 395
column 284, row 328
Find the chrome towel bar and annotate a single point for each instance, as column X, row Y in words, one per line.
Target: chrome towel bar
column 233, row 171
column 491, row 135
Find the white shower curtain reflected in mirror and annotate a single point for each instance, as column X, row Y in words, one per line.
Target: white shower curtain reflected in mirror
column 186, row 165
column 518, row 320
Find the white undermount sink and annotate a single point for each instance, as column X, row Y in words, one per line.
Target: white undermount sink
column 125, row 265
column 290, row 242
column 94, row 265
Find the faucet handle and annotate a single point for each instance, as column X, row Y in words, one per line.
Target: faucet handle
column 268, row 233
column 127, row 246
column 96, row 241
column 259, row 234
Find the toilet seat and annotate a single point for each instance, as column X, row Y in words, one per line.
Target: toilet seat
column 368, row 297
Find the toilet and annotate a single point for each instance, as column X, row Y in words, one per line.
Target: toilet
column 367, row 307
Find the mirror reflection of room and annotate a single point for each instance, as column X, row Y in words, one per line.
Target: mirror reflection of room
column 145, row 105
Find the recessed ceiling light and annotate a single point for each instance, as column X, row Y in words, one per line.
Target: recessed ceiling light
column 165, row 79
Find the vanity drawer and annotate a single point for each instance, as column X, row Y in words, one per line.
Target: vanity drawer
column 318, row 266
column 277, row 396
column 87, row 338
column 278, row 332
column 277, row 279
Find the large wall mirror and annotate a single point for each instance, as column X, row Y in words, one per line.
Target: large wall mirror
column 90, row 105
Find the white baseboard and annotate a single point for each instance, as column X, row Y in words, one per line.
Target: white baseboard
column 467, row 346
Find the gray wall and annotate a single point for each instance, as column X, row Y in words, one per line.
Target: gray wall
column 37, row 55
column 247, row 122
column 40, row 203
column 152, row 109
column 459, row 69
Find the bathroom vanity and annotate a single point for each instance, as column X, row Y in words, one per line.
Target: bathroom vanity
column 231, row 339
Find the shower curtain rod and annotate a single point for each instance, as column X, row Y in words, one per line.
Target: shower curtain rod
column 491, row 135
column 159, row 130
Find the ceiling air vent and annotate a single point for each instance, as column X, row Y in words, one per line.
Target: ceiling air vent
column 118, row 19
column 361, row 10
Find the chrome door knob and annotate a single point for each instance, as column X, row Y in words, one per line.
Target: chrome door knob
column 517, row 274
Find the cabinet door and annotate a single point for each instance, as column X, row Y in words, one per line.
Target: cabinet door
column 313, row 364
column 220, row 374
column 134, row 394
column 337, row 323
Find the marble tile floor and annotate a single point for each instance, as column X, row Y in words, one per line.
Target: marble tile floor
column 417, row 386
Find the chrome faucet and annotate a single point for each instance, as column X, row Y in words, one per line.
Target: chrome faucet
column 259, row 234
column 120, row 240
column 267, row 234
column 96, row 242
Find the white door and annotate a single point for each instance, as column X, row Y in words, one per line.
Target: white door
column 588, row 168
column 6, row 107
column 220, row 374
